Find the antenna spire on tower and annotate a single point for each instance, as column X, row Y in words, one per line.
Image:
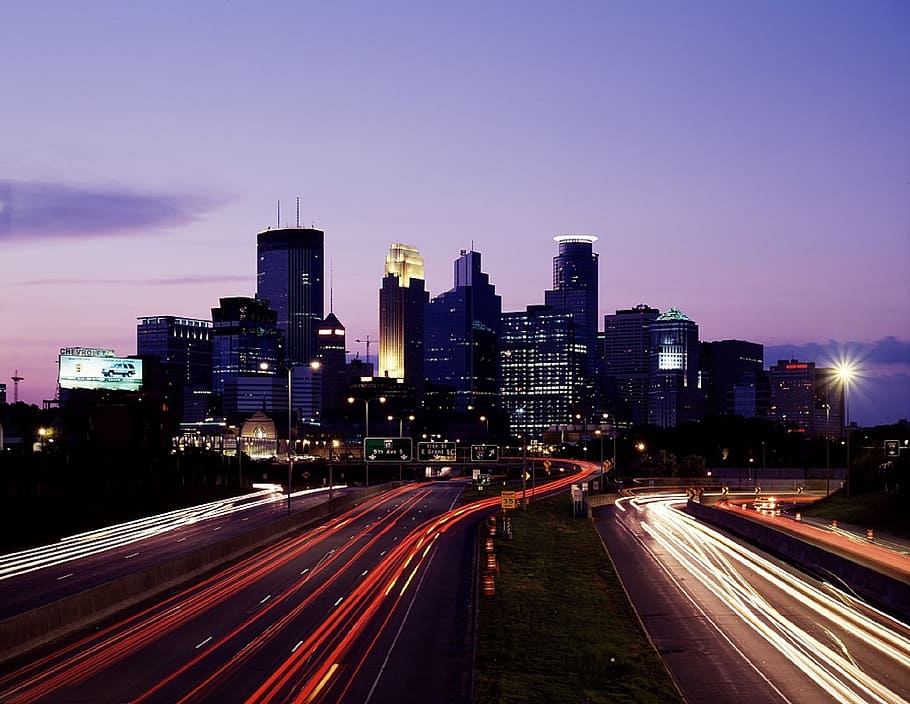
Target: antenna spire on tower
column 331, row 285
column 298, row 212
column 279, row 213
column 16, row 379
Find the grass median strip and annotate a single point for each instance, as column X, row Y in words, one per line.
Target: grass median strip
column 559, row 627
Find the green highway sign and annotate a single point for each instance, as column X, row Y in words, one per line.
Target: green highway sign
column 387, row 449
column 441, row 451
column 484, row 453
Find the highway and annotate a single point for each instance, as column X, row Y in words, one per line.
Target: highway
column 375, row 604
column 31, row 578
column 734, row 624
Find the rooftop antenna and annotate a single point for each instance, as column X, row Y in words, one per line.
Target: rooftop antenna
column 279, row 214
column 331, row 285
column 16, row 379
column 298, row 212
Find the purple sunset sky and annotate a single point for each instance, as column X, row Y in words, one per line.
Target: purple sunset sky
column 747, row 162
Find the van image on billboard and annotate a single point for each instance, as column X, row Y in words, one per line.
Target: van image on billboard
column 121, row 369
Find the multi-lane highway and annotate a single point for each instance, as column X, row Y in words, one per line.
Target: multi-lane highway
column 734, row 624
column 31, row 578
column 374, row 604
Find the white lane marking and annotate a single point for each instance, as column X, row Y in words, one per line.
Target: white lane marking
column 364, row 573
column 266, row 599
column 181, row 540
column 132, row 555
column 203, row 642
column 65, row 576
column 305, row 571
column 340, row 599
column 299, row 643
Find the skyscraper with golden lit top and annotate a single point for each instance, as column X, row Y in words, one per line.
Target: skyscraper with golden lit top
column 401, row 309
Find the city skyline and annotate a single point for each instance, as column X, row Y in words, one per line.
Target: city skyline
column 748, row 167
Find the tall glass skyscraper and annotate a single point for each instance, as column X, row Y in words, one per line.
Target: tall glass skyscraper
column 674, row 392
column 626, row 359
column 461, row 337
column 542, row 369
column 246, row 357
column 402, row 299
column 184, row 348
column 290, row 273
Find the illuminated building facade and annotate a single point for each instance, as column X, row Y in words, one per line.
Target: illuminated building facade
column 543, row 369
column 331, row 336
column 289, row 275
column 247, row 356
column 461, row 338
column 626, row 362
column 575, row 287
column 183, row 347
column 674, row 395
column 807, row 399
column 402, row 300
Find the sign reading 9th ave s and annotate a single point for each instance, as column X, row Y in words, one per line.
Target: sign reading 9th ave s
column 387, row 449
column 440, row 451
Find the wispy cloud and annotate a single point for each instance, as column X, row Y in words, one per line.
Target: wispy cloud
column 165, row 281
column 30, row 210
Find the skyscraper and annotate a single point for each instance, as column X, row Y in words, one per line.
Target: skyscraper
column 806, row 398
column 575, row 289
column 184, row 349
column 724, row 364
column 626, row 360
column 402, row 299
column 247, row 356
column 332, row 356
column 674, row 393
column 543, row 369
column 290, row 272
column 461, row 338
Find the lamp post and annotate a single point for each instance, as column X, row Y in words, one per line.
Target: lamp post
column 827, row 407
column 845, row 372
column 401, row 434
column 366, row 428
column 314, row 365
column 486, row 422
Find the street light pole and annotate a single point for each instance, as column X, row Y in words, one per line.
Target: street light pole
column 366, row 429
column 290, row 424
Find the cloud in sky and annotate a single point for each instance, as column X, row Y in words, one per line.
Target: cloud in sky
column 30, row 210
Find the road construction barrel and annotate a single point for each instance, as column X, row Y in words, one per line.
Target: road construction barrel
column 488, row 586
column 870, row 534
column 491, row 562
column 488, row 545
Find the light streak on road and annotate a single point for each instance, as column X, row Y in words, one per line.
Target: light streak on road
column 818, row 636
column 314, row 660
column 98, row 541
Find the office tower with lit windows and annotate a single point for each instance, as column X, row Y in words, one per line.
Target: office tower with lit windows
column 461, row 339
column 806, row 399
column 724, row 364
column 626, row 362
column 402, row 300
column 543, row 369
column 247, row 358
column 332, row 355
column 289, row 275
column 674, row 395
column 575, row 290
column 183, row 347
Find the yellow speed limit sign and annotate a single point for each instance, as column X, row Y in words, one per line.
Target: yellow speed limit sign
column 508, row 499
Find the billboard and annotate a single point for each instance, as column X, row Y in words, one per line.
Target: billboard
column 97, row 372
